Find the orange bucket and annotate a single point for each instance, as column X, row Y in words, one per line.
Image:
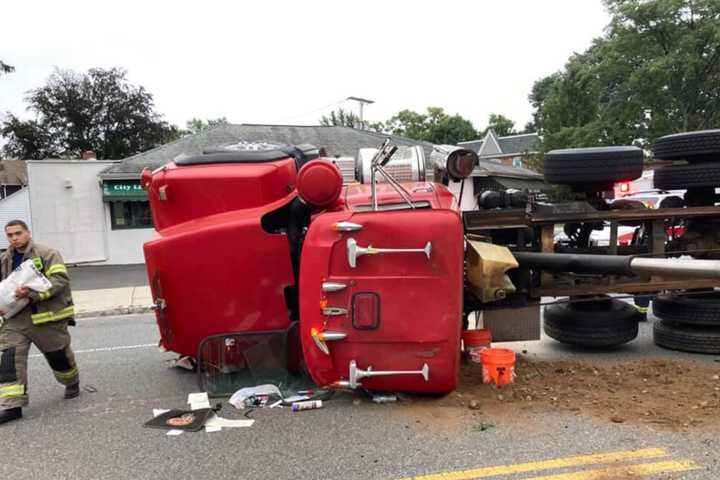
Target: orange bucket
column 475, row 342
column 498, row 366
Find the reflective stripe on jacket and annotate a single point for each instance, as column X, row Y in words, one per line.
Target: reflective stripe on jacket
column 56, row 304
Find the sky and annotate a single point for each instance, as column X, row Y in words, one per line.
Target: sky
column 290, row 62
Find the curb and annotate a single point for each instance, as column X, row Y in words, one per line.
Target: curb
column 131, row 310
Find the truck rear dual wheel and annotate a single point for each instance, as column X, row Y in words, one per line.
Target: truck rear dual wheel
column 702, row 309
column 681, row 177
column 700, row 146
column 595, row 168
column 686, row 338
column 602, row 323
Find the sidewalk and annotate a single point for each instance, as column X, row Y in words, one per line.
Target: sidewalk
column 112, row 301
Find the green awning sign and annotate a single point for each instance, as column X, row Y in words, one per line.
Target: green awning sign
column 116, row 190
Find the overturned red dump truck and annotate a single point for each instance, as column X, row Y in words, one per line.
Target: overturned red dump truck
column 376, row 278
column 254, row 241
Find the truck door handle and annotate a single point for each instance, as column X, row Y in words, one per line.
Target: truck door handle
column 354, row 251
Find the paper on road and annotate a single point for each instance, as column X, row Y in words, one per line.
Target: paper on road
column 198, row 400
column 216, row 421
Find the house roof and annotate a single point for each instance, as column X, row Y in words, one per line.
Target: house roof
column 486, row 168
column 337, row 141
column 13, row 172
column 527, row 142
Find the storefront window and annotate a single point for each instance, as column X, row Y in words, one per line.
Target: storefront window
column 130, row 214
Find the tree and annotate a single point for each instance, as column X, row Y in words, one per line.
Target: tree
column 5, row 68
column 501, row 125
column 98, row 110
column 341, row 118
column 197, row 125
column 655, row 71
column 435, row 126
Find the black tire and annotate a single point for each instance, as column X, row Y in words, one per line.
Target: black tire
column 593, row 166
column 701, row 309
column 686, row 338
column 691, row 146
column 597, row 324
column 681, row 177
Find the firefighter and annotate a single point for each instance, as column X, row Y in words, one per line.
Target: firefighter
column 43, row 322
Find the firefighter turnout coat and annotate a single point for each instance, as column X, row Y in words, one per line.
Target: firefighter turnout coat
column 55, row 304
column 43, row 323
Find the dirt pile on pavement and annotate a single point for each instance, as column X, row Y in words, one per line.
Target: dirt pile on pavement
column 666, row 394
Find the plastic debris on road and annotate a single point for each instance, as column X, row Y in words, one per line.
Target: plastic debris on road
column 384, row 398
column 239, row 398
column 185, row 362
column 310, row 405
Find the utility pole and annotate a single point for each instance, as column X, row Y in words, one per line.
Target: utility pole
column 362, row 102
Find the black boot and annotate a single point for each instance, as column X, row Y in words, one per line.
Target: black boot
column 72, row 391
column 10, row 414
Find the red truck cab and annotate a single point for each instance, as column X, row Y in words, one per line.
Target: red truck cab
column 256, row 241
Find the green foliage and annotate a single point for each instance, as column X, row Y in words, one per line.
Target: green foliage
column 534, row 161
column 501, row 125
column 197, row 125
column 5, row 68
column 655, row 71
column 435, row 126
column 340, row 118
column 28, row 140
column 98, row 110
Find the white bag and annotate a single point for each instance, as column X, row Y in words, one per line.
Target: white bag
column 26, row 275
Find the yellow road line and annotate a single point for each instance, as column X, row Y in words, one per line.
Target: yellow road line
column 580, row 460
column 623, row 471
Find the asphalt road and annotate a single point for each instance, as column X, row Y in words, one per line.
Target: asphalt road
column 100, row 435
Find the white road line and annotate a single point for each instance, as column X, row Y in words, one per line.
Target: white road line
column 107, row 349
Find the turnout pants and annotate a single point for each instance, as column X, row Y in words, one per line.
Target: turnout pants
column 52, row 339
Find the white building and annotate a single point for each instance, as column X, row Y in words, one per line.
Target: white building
column 87, row 220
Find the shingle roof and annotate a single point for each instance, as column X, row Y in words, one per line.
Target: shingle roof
column 529, row 142
column 337, row 141
column 486, row 168
column 474, row 145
